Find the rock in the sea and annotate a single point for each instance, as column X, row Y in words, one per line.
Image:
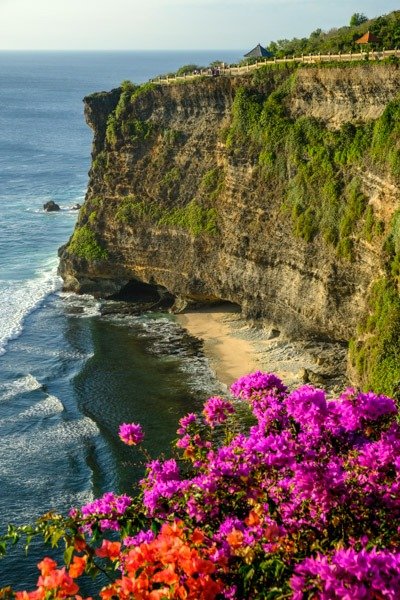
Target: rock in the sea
column 76, row 207
column 51, row 206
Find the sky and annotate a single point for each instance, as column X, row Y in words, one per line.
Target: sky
column 170, row 24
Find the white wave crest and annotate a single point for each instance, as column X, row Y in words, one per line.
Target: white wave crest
column 48, row 407
column 45, row 408
column 19, row 386
column 19, row 298
column 53, row 442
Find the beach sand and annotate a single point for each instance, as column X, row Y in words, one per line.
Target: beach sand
column 230, row 356
column 236, row 347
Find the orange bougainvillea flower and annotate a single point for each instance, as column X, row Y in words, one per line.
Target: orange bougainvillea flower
column 36, row 595
column 171, row 561
column 61, row 580
column 174, row 529
column 47, row 566
column 109, row 550
column 55, row 583
column 108, row 593
column 198, row 537
column 252, row 519
column 78, row 566
column 168, row 576
column 235, row 538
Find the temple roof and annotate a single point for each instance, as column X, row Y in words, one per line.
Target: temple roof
column 258, row 52
column 368, row 38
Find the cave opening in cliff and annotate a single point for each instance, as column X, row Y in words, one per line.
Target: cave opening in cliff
column 150, row 294
column 222, row 306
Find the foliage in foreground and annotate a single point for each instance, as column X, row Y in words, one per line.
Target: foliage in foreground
column 275, row 495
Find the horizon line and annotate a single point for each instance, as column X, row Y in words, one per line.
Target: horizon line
column 121, row 49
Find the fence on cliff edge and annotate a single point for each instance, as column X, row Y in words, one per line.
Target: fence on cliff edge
column 303, row 59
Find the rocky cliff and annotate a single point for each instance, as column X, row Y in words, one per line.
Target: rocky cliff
column 275, row 191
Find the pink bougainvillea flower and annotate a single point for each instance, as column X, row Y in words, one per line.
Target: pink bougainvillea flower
column 131, row 434
column 216, row 410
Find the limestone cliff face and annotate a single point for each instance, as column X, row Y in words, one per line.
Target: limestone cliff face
column 172, row 204
column 344, row 94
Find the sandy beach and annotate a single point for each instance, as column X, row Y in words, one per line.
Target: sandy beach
column 230, row 356
column 235, row 347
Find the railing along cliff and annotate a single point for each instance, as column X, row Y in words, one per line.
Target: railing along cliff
column 303, row 59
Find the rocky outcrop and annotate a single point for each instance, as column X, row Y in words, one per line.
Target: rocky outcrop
column 166, row 155
column 51, row 206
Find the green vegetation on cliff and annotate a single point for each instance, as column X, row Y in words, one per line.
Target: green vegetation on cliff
column 213, row 183
column 193, row 217
column 376, row 355
column 315, row 168
column 84, row 244
column 121, row 123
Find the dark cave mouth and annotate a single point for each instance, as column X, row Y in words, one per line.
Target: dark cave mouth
column 152, row 295
column 138, row 292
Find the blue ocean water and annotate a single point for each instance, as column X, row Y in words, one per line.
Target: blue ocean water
column 68, row 375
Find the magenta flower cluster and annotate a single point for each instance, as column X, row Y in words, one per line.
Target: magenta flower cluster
column 300, row 494
column 131, row 434
column 107, row 511
column 311, row 469
column 348, row 574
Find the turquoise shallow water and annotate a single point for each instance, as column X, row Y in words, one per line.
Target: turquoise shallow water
column 68, row 373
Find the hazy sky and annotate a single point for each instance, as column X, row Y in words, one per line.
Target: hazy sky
column 170, row 24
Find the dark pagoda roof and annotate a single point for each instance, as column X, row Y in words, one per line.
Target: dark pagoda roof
column 258, row 52
column 368, row 38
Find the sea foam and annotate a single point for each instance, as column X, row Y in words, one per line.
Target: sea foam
column 28, row 383
column 19, row 298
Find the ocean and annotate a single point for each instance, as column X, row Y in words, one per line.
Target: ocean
column 73, row 368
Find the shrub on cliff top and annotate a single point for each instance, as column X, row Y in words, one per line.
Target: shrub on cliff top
column 188, row 69
column 274, row 494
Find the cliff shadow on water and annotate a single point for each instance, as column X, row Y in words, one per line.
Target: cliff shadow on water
column 277, row 191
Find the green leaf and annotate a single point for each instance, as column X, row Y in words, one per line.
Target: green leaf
column 55, row 537
column 28, row 542
column 68, row 555
column 249, row 574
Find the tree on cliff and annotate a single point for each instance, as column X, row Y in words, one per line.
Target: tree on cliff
column 357, row 19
